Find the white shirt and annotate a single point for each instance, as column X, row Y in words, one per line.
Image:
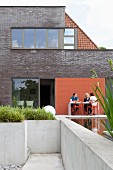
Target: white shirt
column 92, row 100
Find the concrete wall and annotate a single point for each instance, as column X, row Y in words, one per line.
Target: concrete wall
column 13, row 143
column 43, row 136
column 82, row 149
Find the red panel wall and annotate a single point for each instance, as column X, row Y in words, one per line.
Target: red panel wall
column 65, row 87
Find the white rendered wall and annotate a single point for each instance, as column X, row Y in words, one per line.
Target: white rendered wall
column 13, row 143
column 82, row 149
column 43, row 136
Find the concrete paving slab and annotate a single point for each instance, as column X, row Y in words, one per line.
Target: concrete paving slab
column 44, row 162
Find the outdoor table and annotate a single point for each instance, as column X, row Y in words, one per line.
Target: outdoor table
column 69, row 105
column 82, row 103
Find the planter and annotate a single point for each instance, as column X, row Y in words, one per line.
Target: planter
column 107, row 135
column 13, row 143
column 43, row 136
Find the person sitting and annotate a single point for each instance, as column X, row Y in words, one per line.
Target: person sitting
column 74, row 99
column 93, row 102
column 86, row 99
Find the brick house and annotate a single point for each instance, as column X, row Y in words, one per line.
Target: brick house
column 45, row 56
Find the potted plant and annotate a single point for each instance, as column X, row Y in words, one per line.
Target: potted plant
column 13, row 138
column 43, row 131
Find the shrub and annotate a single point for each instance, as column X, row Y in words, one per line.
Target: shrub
column 29, row 113
column 9, row 114
column 37, row 114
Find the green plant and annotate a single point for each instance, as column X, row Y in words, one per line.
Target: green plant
column 102, row 48
column 106, row 103
column 9, row 114
column 110, row 62
column 94, row 74
column 37, row 114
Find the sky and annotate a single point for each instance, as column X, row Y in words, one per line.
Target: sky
column 94, row 17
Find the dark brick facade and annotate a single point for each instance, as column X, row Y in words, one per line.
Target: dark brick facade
column 42, row 63
column 50, row 64
column 32, row 17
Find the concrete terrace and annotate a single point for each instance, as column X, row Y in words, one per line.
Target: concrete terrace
column 44, row 161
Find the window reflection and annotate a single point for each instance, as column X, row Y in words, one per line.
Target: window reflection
column 69, row 31
column 52, row 38
column 25, row 90
column 16, row 38
column 68, row 40
column 41, row 38
column 36, row 38
column 29, row 38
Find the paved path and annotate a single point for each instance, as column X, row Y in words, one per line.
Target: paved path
column 44, row 162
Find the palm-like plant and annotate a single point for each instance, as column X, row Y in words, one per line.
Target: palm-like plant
column 107, row 104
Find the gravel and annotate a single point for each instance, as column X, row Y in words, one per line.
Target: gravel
column 11, row 167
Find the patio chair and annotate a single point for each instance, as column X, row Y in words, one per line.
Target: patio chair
column 20, row 103
column 29, row 103
column 94, row 109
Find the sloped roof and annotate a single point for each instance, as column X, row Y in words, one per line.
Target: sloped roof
column 84, row 42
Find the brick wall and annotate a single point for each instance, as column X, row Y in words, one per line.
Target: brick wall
column 65, row 87
column 50, row 64
column 32, row 16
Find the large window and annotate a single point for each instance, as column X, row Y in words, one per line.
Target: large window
column 25, row 91
column 42, row 38
column 35, row 38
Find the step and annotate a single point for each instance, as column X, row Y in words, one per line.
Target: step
column 44, row 162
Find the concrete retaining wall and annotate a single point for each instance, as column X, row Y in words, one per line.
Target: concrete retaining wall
column 43, row 136
column 13, row 143
column 82, row 149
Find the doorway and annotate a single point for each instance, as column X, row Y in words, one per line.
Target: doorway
column 47, row 92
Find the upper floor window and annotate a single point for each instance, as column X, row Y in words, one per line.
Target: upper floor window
column 17, row 38
column 29, row 41
column 69, row 38
column 42, row 38
column 35, row 38
column 53, row 38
